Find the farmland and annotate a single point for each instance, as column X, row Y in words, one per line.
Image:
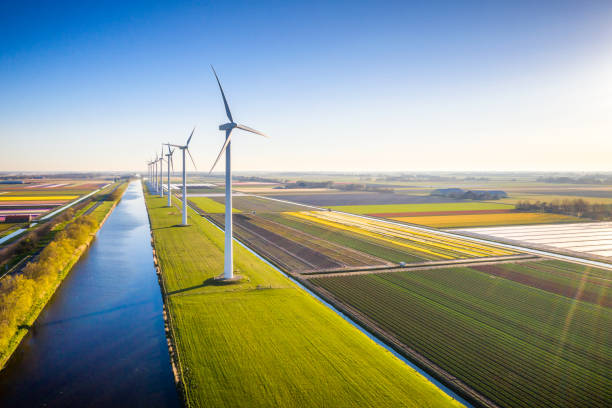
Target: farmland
column 456, row 214
column 359, row 198
column 208, row 205
column 586, row 238
column 422, row 207
column 243, row 344
column 523, row 334
column 293, row 250
column 303, row 241
column 422, row 244
column 476, row 220
column 257, row 204
column 35, row 198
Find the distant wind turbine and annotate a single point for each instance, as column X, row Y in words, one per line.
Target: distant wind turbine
column 155, row 172
column 161, row 172
column 184, row 149
column 170, row 163
column 228, row 268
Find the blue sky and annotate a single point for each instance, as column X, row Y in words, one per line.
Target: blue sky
column 357, row 86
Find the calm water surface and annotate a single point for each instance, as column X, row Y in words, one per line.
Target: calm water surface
column 100, row 341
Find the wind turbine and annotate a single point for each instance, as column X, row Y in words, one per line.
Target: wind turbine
column 228, row 268
column 152, row 164
column 155, row 173
column 161, row 172
column 170, row 163
column 184, row 149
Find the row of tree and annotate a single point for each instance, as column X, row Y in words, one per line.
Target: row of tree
column 585, row 179
column 577, row 207
column 459, row 193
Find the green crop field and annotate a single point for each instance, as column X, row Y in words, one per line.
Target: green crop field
column 422, row 207
column 261, row 205
column 264, row 341
column 524, row 335
column 208, row 205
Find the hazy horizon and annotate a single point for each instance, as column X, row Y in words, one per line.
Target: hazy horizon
column 350, row 87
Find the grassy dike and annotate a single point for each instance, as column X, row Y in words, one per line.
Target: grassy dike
column 266, row 342
column 100, row 214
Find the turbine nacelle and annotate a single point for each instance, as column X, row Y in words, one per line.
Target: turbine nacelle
column 228, row 126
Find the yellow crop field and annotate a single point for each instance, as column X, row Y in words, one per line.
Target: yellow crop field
column 477, row 220
column 424, row 244
column 39, row 198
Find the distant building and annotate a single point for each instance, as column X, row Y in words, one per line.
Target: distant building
column 18, row 218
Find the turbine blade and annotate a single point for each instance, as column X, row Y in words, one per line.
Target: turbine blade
column 190, row 136
column 191, row 157
column 248, row 129
column 227, row 109
column 228, row 136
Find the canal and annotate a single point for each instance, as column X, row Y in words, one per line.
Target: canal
column 100, row 341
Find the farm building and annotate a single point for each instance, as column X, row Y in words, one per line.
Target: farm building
column 18, row 218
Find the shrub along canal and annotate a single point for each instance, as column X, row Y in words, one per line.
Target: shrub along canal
column 100, row 341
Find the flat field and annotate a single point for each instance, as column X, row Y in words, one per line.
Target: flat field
column 264, row 341
column 208, row 205
column 593, row 238
column 421, row 244
column 300, row 242
column 294, row 250
column 37, row 197
column 477, row 220
column 359, row 198
column 532, row 334
column 251, row 203
column 423, row 207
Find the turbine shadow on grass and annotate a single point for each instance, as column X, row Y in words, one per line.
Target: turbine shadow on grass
column 207, row 282
column 170, row 226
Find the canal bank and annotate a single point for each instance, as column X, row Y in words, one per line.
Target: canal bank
column 100, row 341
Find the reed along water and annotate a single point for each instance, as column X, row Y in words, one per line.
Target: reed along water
column 100, row 341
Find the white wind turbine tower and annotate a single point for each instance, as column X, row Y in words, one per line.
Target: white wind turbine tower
column 170, row 163
column 160, row 175
column 228, row 268
column 161, row 172
column 152, row 164
column 184, row 149
column 154, row 181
